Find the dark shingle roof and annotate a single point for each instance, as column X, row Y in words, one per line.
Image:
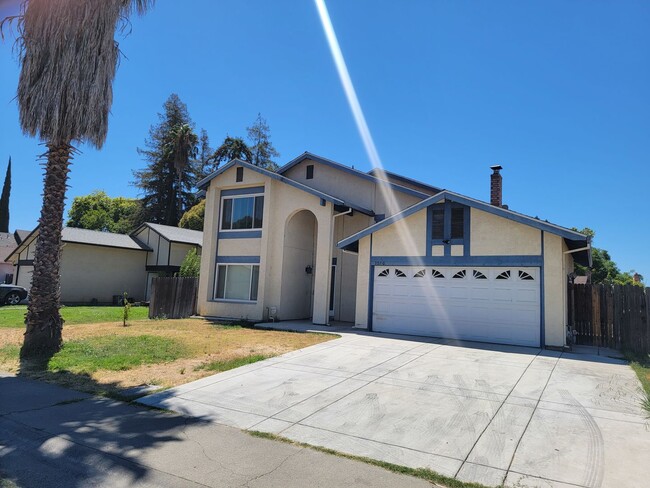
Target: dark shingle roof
column 97, row 238
column 176, row 234
column 21, row 235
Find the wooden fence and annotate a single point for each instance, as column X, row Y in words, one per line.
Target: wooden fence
column 611, row 316
column 173, row 298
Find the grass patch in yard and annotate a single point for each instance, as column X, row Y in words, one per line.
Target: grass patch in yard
column 225, row 365
column 115, row 353
column 9, row 353
column 423, row 473
column 107, row 359
column 641, row 366
column 14, row 316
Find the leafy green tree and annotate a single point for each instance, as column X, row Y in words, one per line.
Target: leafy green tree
column 4, row 200
column 232, row 148
column 191, row 265
column 263, row 152
column 68, row 57
column 166, row 182
column 194, row 217
column 98, row 211
column 604, row 270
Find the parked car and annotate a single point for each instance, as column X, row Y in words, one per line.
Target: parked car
column 12, row 294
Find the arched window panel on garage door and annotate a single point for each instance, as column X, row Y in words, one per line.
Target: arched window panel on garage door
column 505, row 275
column 525, row 276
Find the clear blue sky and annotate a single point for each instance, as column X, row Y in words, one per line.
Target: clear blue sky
column 557, row 92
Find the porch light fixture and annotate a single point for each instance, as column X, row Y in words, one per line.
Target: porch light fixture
column 309, row 269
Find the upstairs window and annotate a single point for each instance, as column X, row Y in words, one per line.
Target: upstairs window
column 310, row 172
column 438, row 223
column 241, row 213
column 448, row 222
column 457, row 223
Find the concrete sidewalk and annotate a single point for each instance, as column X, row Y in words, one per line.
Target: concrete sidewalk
column 54, row 437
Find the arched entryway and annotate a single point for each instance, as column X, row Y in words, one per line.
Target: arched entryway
column 298, row 266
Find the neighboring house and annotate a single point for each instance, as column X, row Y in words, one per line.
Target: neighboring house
column 169, row 246
column 9, row 242
column 98, row 266
column 322, row 241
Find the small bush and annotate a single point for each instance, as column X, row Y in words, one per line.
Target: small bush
column 191, row 265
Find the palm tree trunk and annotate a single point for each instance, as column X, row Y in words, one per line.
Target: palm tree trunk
column 43, row 320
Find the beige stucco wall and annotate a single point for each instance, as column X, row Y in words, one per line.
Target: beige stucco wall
column 363, row 283
column 240, row 247
column 99, row 272
column 406, row 237
column 281, row 201
column 353, row 189
column 555, row 291
column 179, row 251
column 491, row 235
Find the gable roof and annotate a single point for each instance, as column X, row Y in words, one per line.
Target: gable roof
column 426, row 188
column 88, row 237
column 174, row 234
column 366, row 176
column 276, row 176
column 21, row 235
column 98, row 238
column 447, row 195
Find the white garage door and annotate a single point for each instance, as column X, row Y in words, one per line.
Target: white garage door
column 500, row 305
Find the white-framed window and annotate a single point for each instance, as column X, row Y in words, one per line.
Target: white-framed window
column 237, row 282
column 242, row 212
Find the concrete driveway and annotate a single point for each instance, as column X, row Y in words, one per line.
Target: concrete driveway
column 485, row 413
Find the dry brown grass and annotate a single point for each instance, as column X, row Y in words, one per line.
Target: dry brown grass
column 206, row 342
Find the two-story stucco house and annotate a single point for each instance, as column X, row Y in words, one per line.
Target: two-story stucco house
column 322, row 241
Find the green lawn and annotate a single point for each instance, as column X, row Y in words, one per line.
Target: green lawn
column 115, row 353
column 14, row 316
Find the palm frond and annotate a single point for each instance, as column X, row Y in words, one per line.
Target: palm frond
column 68, row 58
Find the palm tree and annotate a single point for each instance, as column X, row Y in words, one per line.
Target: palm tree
column 183, row 146
column 68, row 58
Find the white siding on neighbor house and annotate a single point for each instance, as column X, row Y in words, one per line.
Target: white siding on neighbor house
column 23, row 276
column 179, row 251
column 98, row 272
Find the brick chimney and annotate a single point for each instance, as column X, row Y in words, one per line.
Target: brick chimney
column 496, row 186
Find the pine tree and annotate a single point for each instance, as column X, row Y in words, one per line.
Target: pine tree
column 167, row 194
column 232, row 148
column 204, row 162
column 4, row 200
column 262, row 149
